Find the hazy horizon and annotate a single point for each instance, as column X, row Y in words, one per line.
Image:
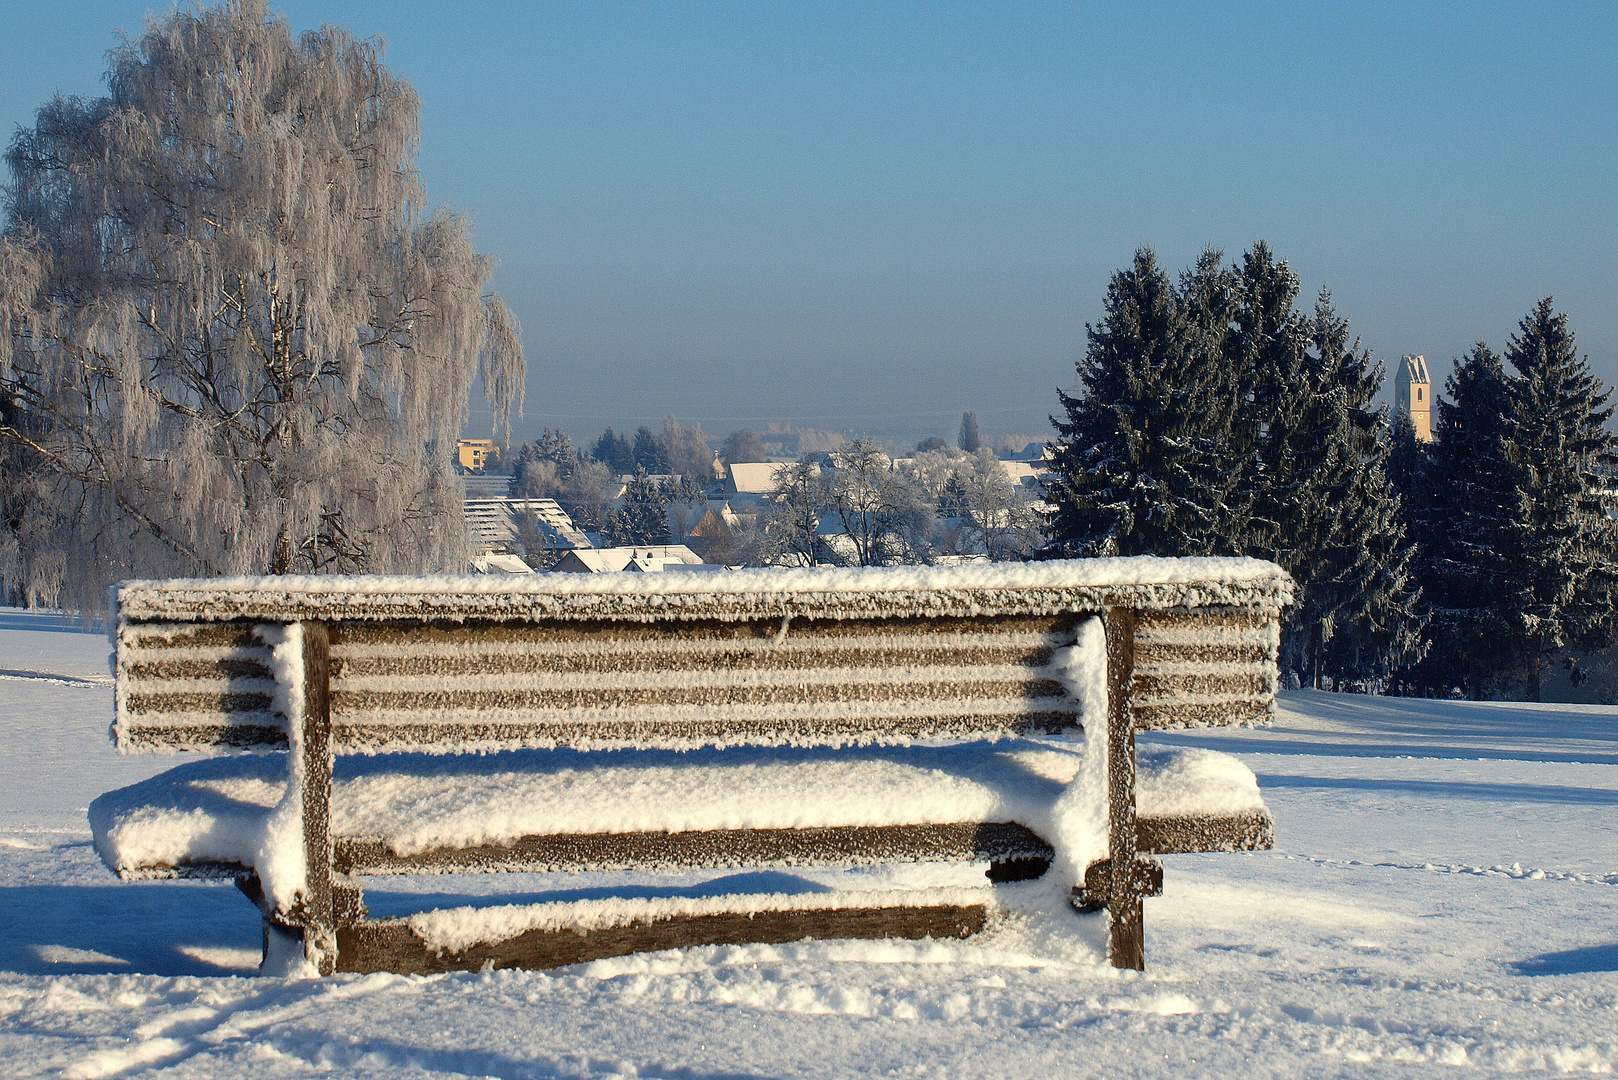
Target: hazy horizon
column 873, row 219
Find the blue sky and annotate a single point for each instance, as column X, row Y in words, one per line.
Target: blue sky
column 876, row 216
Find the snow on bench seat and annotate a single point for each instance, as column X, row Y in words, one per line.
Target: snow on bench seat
column 414, row 813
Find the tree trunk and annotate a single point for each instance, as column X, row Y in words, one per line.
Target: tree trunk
column 1314, row 652
column 281, row 562
column 1534, row 662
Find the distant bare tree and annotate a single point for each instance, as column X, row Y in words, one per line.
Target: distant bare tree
column 789, row 526
column 886, row 518
column 232, row 342
column 688, row 452
column 995, row 515
column 743, row 444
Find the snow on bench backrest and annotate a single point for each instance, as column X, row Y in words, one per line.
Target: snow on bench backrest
column 758, row 657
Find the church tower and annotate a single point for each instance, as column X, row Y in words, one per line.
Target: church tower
column 1413, row 396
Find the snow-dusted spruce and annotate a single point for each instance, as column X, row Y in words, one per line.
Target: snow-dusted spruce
column 760, row 718
column 1566, row 575
column 1512, row 508
column 1323, row 506
column 1217, row 418
column 232, row 341
column 1461, row 503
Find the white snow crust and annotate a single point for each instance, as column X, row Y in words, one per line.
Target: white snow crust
column 213, row 810
column 1144, row 581
column 279, row 854
column 1442, row 901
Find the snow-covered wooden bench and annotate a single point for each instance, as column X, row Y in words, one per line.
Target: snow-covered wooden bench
column 770, row 718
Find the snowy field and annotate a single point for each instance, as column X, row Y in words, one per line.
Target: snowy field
column 1443, row 896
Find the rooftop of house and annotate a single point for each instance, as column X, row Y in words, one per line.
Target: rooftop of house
column 643, row 558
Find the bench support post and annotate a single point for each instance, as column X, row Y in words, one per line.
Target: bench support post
column 319, row 922
column 1125, row 914
column 311, row 925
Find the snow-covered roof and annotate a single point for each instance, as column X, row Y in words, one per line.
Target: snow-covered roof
column 756, row 477
column 496, row 563
column 641, row 558
column 1413, row 369
column 496, row 523
column 1142, row 582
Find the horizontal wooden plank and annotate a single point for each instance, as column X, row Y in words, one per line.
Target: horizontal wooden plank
column 780, row 628
column 391, row 945
column 961, row 842
column 354, row 734
column 1253, row 830
column 194, row 634
column 1168, row 716
column 1167, row 622
column 267, row 733
column 216, row 702
column 149, row 664
column 351, row 704
column 1046, row 588
column 714, row 657
column 1148, row 687
column 1155, row 655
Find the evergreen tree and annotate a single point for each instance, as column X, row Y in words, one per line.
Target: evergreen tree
column 1323, row 506
column 1562, row 575
column 642, row 517
column 649, row 452
column 1145, row 461
column 614, row 451
column 543, row 468
column 969, row 439
column 1462, row 494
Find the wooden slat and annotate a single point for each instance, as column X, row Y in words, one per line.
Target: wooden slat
column 1250, row 831
column 1168, row 715
column 352, row 637
column 1153, row 653
column 722, row 657
column 353, row 704
column 390, row 945
column 266, row 732
column 1052, row 588
column 356, row 735
column 1152, row 688
column 961, row 842
column 199, row 701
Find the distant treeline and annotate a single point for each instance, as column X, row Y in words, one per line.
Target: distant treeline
column 1217, row 418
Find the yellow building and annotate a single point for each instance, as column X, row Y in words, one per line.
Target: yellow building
column 475, row 454
column 1413, row 396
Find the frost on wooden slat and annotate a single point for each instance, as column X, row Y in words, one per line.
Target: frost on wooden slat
column 1204, row 668
column 1051, row 588
column 183, row 686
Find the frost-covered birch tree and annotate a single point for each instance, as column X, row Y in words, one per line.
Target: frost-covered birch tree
column 234, row 340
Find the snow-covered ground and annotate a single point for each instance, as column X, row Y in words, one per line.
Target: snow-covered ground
column 1443, row 895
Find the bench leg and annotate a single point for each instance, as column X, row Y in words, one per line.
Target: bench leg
column 318, row 914
column 312, row 921
column 1125, row 914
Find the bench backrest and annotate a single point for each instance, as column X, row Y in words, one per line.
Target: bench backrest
column 761, row 657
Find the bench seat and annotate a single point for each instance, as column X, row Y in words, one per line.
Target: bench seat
column 566, row 810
